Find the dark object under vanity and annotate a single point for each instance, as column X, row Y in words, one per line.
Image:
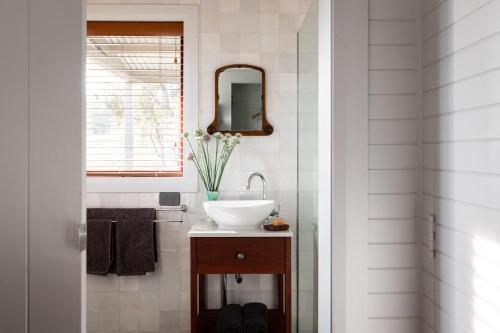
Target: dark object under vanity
column 266, row 253
column 249, row 318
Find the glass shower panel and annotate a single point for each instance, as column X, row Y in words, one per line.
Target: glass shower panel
column 307, row 108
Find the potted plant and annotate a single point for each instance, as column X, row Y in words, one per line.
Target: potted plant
column 211, row 163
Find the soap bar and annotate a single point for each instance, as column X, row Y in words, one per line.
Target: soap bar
column 278, row 221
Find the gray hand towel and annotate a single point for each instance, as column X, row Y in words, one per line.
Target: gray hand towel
column 254, row 318
column 229, row 319
column 99, row 246
column 134, row 247
column 134, row 243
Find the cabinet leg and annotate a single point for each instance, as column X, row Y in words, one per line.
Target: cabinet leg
column 281, row 277
column 201, row 292
column 288, row 286
column 194, row 288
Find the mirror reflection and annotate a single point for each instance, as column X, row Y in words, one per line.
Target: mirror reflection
column 240, row 100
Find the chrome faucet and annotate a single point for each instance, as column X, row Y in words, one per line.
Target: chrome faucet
column 264, row 186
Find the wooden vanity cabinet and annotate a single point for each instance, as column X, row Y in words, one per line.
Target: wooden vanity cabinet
column 245, row 255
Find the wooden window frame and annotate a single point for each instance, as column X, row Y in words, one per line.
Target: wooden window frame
column 143, row 28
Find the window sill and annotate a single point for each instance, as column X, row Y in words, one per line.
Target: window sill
column 188, row 183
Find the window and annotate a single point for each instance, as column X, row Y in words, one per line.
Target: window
column 135, row 99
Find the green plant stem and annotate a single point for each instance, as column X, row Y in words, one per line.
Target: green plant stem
column 207, row 168
column 204, row 166
column 216, row 160
column 226, row 159
column 220, row 164
column 197, row 164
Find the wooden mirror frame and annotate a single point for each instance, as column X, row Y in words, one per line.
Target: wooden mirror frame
column 267, row 129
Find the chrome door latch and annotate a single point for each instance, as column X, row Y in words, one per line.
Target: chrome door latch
column 82, row 237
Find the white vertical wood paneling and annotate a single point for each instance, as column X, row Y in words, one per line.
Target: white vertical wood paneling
column 393, row 132
column 393, row 325
column 400, row 107
column 392, row 32
column 391, row 231
column 392, row 57
column 392, row 181
column 13, row 163
column 461, row 167
column 393, row 287
column 394, row 305
column 392, row 82
column 393, row 280
column 393, row 157
column 392, row 10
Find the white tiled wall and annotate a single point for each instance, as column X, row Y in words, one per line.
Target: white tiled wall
column 461, row 173
column 231, row 31
column 393, row 274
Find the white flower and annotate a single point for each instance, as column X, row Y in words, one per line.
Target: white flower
column 238, row 135
column 185, row 134
column 198, row 133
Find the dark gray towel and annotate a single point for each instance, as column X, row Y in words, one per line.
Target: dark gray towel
column 99, row 246
column 229, row 319
column 254, row 318
column 135, row 245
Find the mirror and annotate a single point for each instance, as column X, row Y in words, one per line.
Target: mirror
column 240, row 101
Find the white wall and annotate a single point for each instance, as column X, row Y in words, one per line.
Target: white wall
column 461, row 170
column 393, row 275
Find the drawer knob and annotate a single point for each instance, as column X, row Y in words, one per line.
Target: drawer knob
column 240, row 256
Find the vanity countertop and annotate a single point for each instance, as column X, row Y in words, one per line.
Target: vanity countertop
column 210, row 229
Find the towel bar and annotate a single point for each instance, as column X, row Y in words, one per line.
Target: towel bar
column 159, row 221
column 82, row 228
column 181, row 208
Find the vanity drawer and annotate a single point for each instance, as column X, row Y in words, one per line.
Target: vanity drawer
column 240, row 255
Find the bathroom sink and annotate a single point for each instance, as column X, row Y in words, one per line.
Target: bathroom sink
column 239, row 214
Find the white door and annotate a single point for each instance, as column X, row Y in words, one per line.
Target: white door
column 41, row 105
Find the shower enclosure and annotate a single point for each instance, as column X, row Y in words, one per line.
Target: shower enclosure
column 307, row 173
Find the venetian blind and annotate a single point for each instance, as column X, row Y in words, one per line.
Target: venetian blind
column 134, row 96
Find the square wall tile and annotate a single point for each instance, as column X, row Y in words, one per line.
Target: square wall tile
column 249, row 6
column 230, row 42
column 289, row 6
column 150, row 321
column 269, row 6
column 209, row 22
column 269, row 23
column 288, row 43
column 229, row 6
column 129, row 320
column 250, row 43
column 169, row 321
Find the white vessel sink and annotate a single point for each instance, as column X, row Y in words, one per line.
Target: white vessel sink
column 239, row 214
